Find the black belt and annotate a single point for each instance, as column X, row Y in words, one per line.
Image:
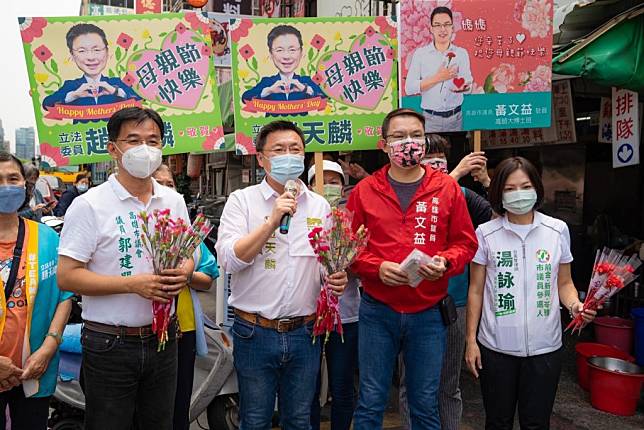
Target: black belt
column 124, row 331
column 445, row 114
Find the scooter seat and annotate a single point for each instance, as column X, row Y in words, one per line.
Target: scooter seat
column 72, row 339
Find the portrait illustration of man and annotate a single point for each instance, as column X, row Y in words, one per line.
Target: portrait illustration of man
column 285, row 50
column 440, row 72
column 88, row 47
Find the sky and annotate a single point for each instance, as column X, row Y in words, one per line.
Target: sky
column 16, row 109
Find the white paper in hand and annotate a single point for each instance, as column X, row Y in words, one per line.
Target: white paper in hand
column 411, row 264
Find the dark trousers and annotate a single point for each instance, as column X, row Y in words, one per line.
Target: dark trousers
column 341, row 362
column 530, row 382
column 127, row 381
column 26, row 413
column 185, row 376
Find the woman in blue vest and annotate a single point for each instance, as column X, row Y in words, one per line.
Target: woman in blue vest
column 33, row 311
column 518, row 278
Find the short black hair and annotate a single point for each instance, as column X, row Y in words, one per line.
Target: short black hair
column 5, row 156
column 501, row 173
column 272, row 127
column 283, row 30
column 439, row 10
column 81, row 29
column 437, row 144
column 136, row 114
column 400, row 112
column 81, row 176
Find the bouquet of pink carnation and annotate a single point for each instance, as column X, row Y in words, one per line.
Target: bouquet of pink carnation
column 336, row 246
column 169, row 244
column 612, row 272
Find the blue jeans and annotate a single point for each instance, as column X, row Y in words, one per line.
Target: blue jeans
column 341, row 362
column 268, row 364
column 420, row 337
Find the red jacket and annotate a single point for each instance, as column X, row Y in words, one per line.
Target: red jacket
column 437, row 205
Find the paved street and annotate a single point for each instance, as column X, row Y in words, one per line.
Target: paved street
column 572, row 407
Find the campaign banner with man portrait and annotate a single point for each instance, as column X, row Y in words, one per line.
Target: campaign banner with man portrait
column 335, row 77
column 477, row 65
column 83, row 69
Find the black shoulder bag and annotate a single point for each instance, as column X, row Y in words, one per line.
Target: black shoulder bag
column 15, row 263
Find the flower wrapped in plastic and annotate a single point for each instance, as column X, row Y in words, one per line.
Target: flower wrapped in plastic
column 336, row 247
column 612, row 271
column 169, row 243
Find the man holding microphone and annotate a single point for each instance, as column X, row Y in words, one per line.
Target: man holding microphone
column 275, row 282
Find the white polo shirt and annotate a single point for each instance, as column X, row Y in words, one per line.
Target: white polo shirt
column 284, row 279
column 102, row 229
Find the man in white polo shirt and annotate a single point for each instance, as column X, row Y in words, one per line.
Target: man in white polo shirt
column 275, row 284
column 126, row 380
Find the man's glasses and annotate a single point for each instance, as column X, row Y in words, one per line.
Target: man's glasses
column 443, row 26
column 84, row 52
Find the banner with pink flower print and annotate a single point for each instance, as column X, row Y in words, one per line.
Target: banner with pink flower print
column 334, row 77
column 83, row 69
column 477, row 65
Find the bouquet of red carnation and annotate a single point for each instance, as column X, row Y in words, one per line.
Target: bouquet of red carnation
column 169, row 244
column 612, row 271
column 336, row 246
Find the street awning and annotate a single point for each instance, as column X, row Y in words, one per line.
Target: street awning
column 611, row 55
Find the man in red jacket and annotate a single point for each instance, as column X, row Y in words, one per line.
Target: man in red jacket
column 406, row 206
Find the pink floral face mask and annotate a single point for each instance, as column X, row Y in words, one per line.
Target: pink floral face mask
column 436, row 163
column 407, row 152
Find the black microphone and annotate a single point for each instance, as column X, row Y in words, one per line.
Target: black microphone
column 292, row 187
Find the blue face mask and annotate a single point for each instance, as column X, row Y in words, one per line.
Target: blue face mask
column 285, row 167
column 11, row 198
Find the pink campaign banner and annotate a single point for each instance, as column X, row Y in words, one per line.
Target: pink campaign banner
column 472, row 64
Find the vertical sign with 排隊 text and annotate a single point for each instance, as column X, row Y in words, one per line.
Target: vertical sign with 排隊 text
column 626, row 139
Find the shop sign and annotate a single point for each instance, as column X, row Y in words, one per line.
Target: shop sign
column 605, row 132
column 233, row 7
column 101, row 9
column 346, row 8
column 626, row 130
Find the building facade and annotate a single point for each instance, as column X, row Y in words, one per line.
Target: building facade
column 25, row 143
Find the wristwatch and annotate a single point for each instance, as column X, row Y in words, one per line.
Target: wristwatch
column 57, row 336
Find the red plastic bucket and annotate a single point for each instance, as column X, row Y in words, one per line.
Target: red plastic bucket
column 615, row 385
column 586, row 350
column 615, row 331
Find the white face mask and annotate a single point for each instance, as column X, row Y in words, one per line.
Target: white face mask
column 519, row 202
column 141, row 161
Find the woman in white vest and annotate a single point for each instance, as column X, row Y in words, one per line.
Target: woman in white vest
column 518, row 278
